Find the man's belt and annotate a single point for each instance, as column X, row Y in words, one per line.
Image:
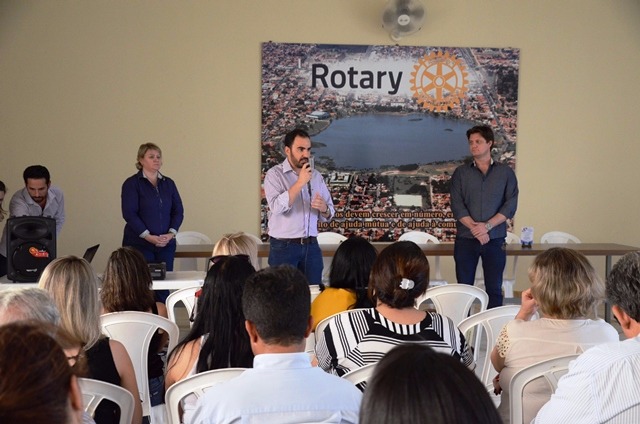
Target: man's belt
column 297, row 240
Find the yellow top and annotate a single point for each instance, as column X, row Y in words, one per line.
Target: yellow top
column 331, row 301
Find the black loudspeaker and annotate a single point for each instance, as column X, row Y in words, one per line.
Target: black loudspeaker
column 31, row 245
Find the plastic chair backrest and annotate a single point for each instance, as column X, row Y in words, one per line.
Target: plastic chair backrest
column 360, row 375
column 134, row 330
column 191, row 237
column 187, row 296
column 420, row 237
column 196, row 384
column 329, row 237
column 559, row 237
column 94, row 391
column 551, row 370
column 489, row 323
column 455, row 300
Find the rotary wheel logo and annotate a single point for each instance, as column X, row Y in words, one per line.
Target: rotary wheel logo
column 439, row 81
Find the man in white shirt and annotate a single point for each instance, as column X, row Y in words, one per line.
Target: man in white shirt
column 603, row 384
column 37, row 198
column 282, row 387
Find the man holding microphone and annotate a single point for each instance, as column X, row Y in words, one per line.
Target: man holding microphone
column 297, row 197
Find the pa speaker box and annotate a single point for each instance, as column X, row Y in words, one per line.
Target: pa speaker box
column 31, row 245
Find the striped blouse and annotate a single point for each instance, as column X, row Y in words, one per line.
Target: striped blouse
column 363, row 336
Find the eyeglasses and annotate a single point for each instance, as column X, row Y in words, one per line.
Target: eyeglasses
column 214, row 260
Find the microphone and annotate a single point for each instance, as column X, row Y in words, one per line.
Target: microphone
column 311, row 164
column 309, row 188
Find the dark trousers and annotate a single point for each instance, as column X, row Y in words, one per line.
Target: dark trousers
column 153, row 254
column 466, row 253
column 306, row 257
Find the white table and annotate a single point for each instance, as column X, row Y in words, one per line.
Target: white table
column 175, row 280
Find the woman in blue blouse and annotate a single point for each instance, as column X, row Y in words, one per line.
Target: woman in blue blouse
column 152, row 208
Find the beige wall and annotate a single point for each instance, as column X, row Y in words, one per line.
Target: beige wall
column 83, row 83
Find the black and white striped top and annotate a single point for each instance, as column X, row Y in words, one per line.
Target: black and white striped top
column 362, row 336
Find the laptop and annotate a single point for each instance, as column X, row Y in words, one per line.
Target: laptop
column 90, row 253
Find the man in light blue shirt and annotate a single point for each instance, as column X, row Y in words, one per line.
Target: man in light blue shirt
column 298, row 198
column 282, row 387
column 37, row 198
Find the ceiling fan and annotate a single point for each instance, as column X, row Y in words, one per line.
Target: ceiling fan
column 403, row 17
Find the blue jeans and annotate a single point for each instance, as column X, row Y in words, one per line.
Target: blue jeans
column 306, row 257
column 156, row 390
column 466, row 253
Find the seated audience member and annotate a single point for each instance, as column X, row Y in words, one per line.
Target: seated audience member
column 348, row 280
column 565, row 289
column 73, row 286
column 282, row 387
column 602, row 385
column 399, row 275
column 218, row 338
column 37, row 384
column 237, row 244
column 127, row 286
column 449, row 393
column 27, row 303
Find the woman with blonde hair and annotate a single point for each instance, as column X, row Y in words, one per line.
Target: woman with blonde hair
column 239, row 243
column 565, row 291
column 73, row 286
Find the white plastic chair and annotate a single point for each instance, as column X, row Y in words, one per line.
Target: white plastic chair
column 482, row 329
column 258, row 241
column 509, row 275
column 95, row 391
column 187, row 296
column 559, row 237
column 196, row 384
column 551, row 370
column 191, row 237
column 454, row 300
column 420, row 237
column 135, row 330
column 328, row 238
column 360, row 375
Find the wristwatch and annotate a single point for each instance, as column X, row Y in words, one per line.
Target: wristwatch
column 488, row 226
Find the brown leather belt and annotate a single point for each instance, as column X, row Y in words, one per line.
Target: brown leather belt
column 297, row 240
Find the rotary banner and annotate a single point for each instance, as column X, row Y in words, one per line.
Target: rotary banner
column 387, row 126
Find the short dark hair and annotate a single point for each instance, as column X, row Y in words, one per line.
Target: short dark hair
column 623, row 285
column 484, row 130
column 402, row 259
column 351, row 267
column 449, row 392
column 277, row 301
column 291, row 135
column 36, row 172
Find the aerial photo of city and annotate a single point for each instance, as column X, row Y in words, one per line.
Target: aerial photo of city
column 387, row 125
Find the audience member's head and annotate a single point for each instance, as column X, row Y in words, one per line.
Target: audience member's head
column 415, row 384
column 564, row 284
column 277, row 306
column 623, row 292
column 27, row 303
column 37, row 384
column 351, row 267
column 3, row 192
column 127, row 283
column 399, row 275
column 220, row 317
column 73, row 286
column 237, row 244
column 142, row 150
